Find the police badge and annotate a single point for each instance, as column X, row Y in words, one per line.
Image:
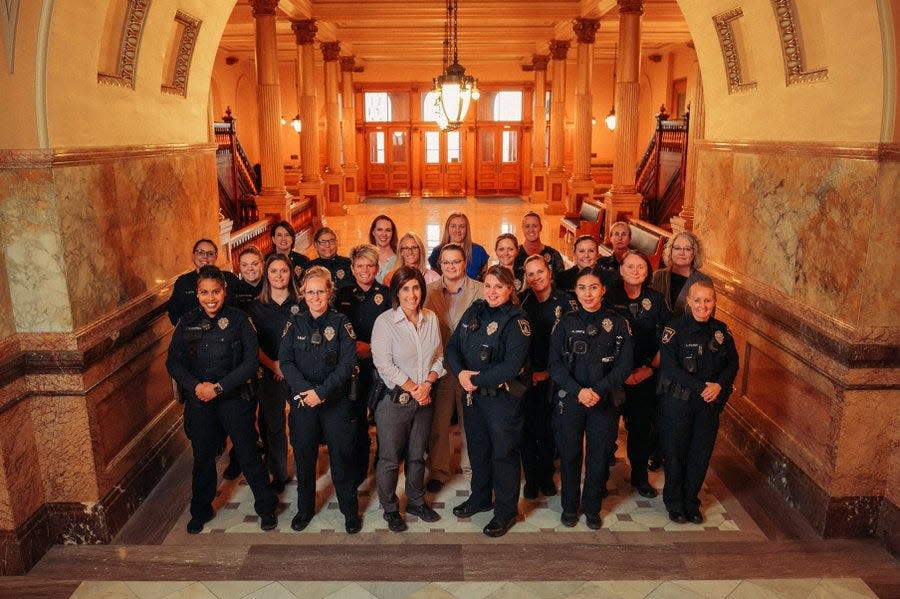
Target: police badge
column 298, row 270
column 223, row 323
column 557, row 312
column 295, row 309
column 491, row 328
column 378, row 299
column 329, row 333
column 607, row 325
column 340, row 274
column 720, row 337
column 646, row 304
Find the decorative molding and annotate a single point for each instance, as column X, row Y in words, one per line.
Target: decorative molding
column 264, row 8
column 331, row 51
column 16, row 159
column 348, row 64
column 305, row 31
column 794, row 72
column 132, row 30
column 631, row 6
column 559, row 49
column 539, row 61
column 9, row 17
column 586, row 30
column 722, row 23
column 882, row 152
column 182, row 68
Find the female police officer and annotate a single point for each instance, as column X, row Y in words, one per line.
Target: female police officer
column 590, row 356
column 212, row 354
column 486, row 352
column 317, row 355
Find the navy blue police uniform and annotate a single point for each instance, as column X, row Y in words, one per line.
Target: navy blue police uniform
column 184, row 294
column 246, row 293
column 299, row 263
column 565, row 281
column 221, row 350
column 647, row 314
column 494, row 342
column 362, row 308
column 538, row 448
column 587, row 350
column 608, row 267
column 339, row 267
column 691, row 354
column 270, row 320
column 552, row 256
column 319, row 354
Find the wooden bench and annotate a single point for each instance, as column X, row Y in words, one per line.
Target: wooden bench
column 645, row 238
column 589, row 221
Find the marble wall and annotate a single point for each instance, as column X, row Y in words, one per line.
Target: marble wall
column 809, row 289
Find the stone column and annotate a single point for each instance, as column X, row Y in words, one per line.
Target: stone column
column 310, row 185
column 348, row 130
column 334, row 176
column 696, row 132
column 581, row 186
column 273, row 199
column 622, row 199
column 556, row 174
column 539, row 134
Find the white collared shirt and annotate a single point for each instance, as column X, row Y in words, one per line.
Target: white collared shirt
column 402, row 351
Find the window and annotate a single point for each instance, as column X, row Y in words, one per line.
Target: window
column 376, row 147
column 454, row 152
column 432, row 147
column 430, row 107
column 510, row 147
column 508, row 106
column 378, row 107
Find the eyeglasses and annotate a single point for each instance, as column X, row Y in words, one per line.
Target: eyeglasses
column 451, row 262
column 682, row 248
column 327, row 242
column 205, row 253
column 409, row 250
column 314, row 293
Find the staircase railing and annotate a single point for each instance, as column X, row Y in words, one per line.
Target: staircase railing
column 670, row 136
column 237, row 185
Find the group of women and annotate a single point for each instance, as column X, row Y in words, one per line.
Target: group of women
column 537, row 360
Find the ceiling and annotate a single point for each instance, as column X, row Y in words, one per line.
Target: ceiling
column 411, row 31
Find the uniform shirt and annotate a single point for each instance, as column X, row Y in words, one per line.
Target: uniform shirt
column 300, row 262
column 318, row 353
column 246, row 293
column 566, row 279
column 647, row 314
column 693, row 353
column 590, row 349
column 610, row 274
column 221, row 349
column 554, row 261
column 474, row 263
column 492, row 341
column 402, row 351
column 662, row 282
column 543, row 315
column 339, row 267
column 184, row 294
column 270, row 320
column 363, row 307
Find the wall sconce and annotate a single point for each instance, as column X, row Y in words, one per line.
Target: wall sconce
column 283, row 121
column 611, row 119
column 296, row 124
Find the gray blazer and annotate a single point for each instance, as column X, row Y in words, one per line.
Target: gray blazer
column 438, row 302
column 662, row 282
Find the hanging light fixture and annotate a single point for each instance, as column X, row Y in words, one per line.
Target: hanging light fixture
column 611, row 117
column 455, row 90
column 297, row 124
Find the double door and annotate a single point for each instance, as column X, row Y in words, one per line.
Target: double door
column 388, row 161
column 443, row 170
column 498, row 163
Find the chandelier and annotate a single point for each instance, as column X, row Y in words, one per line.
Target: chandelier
column 454, row 89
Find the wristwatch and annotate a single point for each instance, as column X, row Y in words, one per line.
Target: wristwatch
column 218, row 389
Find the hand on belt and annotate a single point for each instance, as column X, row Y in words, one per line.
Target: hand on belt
column 493, row 391
column 398, row 395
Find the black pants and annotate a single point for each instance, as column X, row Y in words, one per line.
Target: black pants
column 687, row 430
column 207, row 423
column 273, row 396
column 494, row 433
column 639, row 411
column 364, row 384
column 335, row 420
column 595, row 428
column 537, row 439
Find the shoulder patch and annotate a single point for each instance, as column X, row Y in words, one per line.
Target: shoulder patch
column 287, row 327
column 667, row 335
column 628, row 326
column 252, row 326
column 525, row 327
column 349, row 328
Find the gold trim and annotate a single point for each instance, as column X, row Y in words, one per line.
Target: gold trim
column 791, row 47
column 14, row 159
column 132, row 30
column 735, row 79
column 182, row 68
column 882, row 152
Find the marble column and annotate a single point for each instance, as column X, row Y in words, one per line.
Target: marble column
column 556, row 173
column 334, row 176
column 310, row 185
column 539, row 135
column 623, row 199
column 273, row 200
column 696, row 132
column 348, row 131
column 581, row 186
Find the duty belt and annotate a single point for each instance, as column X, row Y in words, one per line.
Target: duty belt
column 673, row 389
column 398, row 395
column 493, row 391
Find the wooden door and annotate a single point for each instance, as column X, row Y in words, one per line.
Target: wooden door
column 499, row 168
column 486, row 170
column 443, row 173
column 509, row 176
column 388, row 167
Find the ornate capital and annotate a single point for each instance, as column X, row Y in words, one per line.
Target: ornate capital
column 631, row 6
column 586, row 29
column 331, row 51
column 348, row 64
column 305, row 31
column 539, row 61
column 264, row 8
column 559, row 49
